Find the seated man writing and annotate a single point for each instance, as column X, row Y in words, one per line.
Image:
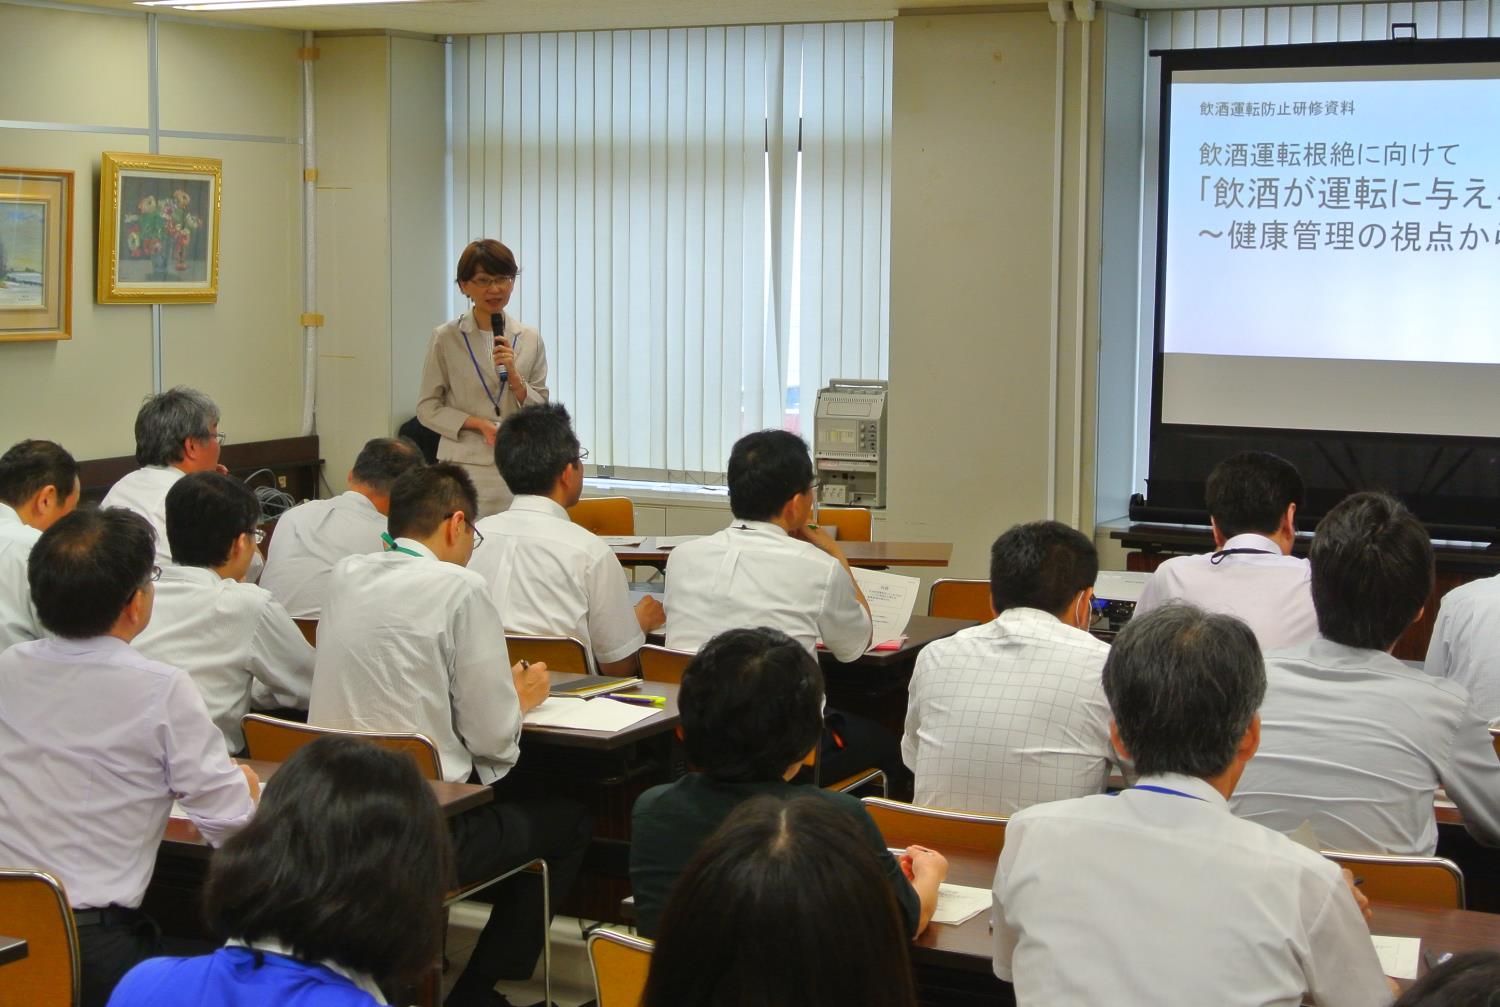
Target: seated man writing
column 751, row 704
column 1159, row 895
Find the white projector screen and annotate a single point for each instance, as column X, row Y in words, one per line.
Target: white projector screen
column 1331, row 257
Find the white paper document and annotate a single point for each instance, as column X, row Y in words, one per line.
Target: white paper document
column 1398, row 955
column 617, row 541
column 892, row 598
column 672, row 541
column 601, row 714
column 957, row 904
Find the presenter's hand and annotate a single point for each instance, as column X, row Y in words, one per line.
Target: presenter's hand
column 488, row 428
column 650, row 614
column 505, row 354
column 531, row 684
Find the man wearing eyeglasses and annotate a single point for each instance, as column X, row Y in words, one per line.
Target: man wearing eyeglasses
column 410, row 642
column 235, row 640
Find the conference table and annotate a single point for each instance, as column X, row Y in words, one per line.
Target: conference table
column 968, row 947
column 866, row 554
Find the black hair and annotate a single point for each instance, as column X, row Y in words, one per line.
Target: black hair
column 384, row 460
column 784, row 904
column 31, row 466
column 206, row 512
column 1372, row 571
column 1471, row 979
column 1250, row 492
column 1183, row 685
column 87, row 567
column 751, row 704
column 766, row 469
column 535, row 446
column 1042, row 565
column 346, row 860
column 425, row 497
column 167, row 420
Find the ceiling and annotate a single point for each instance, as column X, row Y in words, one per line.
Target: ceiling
column 480, row 17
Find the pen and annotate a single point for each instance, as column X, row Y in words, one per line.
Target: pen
column 525, row 664
column 638, row 699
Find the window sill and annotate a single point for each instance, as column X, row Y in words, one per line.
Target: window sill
column 644, row 491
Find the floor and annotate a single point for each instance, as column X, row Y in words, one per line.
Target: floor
column 572, row 980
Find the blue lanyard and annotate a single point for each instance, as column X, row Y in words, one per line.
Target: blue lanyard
column 391, row 546
column 494, row 399
column 1165, row 790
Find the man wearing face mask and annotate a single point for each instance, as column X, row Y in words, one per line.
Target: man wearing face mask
column 1012, row 713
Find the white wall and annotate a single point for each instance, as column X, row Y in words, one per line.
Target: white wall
column 79, row 81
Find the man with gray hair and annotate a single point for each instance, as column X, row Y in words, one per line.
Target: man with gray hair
column 1255, row 919
column 176, row 432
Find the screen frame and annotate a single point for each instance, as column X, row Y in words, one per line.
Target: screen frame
column 1184, row 502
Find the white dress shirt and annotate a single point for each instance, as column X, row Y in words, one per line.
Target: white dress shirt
column 409, row 643
column 145, row 492
column 96, row 742
column 1270, row 591
column 754, row 574
column 18, row 619
column 1465, row 643
column 551, row 577
column 1167, row 898
column 227, row 636
column 1008, row 714
column 310, row 538
column 1355, row 743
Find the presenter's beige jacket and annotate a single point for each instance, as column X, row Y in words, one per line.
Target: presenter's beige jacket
column 453, row 388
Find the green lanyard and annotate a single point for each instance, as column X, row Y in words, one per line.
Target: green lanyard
column 391, row 545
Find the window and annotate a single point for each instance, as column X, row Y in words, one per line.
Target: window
column 701, row 216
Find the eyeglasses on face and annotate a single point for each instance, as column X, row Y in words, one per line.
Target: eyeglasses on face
column 478, row 536
column 495, row 282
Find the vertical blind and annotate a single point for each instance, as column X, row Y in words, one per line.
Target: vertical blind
column 1203, row 29
column 701, row 216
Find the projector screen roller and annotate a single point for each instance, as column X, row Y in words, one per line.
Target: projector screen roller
column 1331, row 252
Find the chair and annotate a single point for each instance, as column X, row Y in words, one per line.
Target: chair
column 658, row 664
column 1495, row 739
column 951, row 598
column 620, row 964
column 309, row 629
column 605, row 515
column 905, row 824
column 1425, row 882
column 275, row 740
column 854, row 523
column 863, row 778
column 559, row 653
column 34, row 906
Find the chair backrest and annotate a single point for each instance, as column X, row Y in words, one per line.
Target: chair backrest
column 309, row 628
column 1428, row 882
column 621, row 963
column 951, row 598
column 605, row 515
column 561, row 653
column 275, row 740
column 903, row 824
column 33, row 906
column 854, row 523
column 658, row 664
column 1495, row 740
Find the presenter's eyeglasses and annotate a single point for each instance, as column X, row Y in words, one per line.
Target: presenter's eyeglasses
column 498, row 282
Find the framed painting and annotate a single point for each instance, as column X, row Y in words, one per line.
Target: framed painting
column 36, row 254
column 158, row 229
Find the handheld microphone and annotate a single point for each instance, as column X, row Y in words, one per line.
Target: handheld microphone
column 497, row 325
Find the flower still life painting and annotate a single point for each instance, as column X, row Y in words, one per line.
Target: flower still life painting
column 158, row 229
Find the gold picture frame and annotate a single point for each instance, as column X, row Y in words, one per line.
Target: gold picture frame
column 158, row 229
column 36, row 254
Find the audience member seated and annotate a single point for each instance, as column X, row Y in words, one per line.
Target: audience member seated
column 1465, row 645
column 176, row 432
column 1252, row 503
column 1356, row 742
column 1471, row 979
column 331, row 897
column 97, row 741
column 547, row 575
column 783, row 905
column 1159, row 895
column 228, row 635
column 313, row 536
column 410, row 642
column 750, row 703
column 770, row 568
column 38, row 486
column 1012, row 713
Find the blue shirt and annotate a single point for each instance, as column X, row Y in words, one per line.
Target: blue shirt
column 230, row 977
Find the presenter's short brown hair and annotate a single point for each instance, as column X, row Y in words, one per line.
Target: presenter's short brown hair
column 489, row 255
